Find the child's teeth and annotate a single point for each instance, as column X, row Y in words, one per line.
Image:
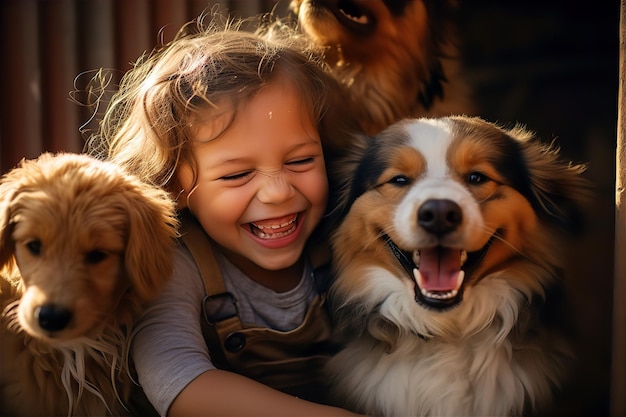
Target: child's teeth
column 274, row 226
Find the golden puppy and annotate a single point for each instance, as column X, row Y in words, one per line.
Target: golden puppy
column 82, row 246
column 395, row 57
column 448, row 269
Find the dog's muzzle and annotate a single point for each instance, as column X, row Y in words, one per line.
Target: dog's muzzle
column 437, row 271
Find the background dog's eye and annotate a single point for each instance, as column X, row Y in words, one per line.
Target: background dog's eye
column 400, row 180
column 477, row 178
column 34, row 247
column 95, row 256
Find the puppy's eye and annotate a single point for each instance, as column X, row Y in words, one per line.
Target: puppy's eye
column 34, row 247
column 95, row 256
column 475, row 178
column 400, row 180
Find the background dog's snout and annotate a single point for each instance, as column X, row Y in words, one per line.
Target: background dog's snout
column 439, row 216
column 52, row 317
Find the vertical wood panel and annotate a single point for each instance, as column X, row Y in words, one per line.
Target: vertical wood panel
column 20, row 81
column 52, row 48
column 58, row 63
column 618, row 382
column 96, row 34
column 96, row 49
column 280, row 7
column 196, row 7
column 132, row 31
column 169, row 16
column 244, row 7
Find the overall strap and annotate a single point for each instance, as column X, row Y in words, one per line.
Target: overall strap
column 291, row 361
column 199, row 245
column 219, row 311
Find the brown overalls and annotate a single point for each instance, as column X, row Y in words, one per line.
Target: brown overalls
column 291, row 361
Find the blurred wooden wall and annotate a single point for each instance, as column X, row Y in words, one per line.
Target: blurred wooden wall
column 49, row 45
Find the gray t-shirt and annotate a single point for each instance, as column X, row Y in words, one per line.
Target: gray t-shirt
column 168, row 348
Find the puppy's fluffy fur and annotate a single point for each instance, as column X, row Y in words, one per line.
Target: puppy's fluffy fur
column 396, row 58
column 82, row 246
column 446, row 262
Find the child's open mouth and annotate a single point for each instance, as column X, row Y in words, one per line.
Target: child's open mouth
column 274, row 228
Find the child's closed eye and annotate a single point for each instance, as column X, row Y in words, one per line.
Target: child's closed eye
column 300, row 164
column 296, row 165
column 236, row 177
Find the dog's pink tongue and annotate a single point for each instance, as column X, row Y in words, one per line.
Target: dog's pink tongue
column 440, row 269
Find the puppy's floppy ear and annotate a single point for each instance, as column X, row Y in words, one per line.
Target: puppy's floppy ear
column 10, row 185
column 558, row 187
column 152, row 229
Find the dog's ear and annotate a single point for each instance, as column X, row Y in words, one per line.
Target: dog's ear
column 352, row 173
column 152, row 229
column 10, row 185
column 559, row 190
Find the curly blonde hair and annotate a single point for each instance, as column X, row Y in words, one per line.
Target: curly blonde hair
column 207, row 67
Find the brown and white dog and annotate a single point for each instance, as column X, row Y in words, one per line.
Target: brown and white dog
column 397, row 58
column 446, row 262
column 82, row 246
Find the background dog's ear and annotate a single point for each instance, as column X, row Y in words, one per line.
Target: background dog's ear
column 559, row 189
column 153, row 225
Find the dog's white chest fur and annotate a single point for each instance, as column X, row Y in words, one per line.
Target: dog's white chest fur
column 468, row 368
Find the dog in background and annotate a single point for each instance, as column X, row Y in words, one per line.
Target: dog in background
column 82, row 246
column 397, row 58
column 448, row 269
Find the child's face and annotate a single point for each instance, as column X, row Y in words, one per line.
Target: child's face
column 262, row 185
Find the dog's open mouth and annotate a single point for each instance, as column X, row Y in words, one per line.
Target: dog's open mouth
column 352, row 16
column 439, row 279
column 438, row 276
column 437, row 273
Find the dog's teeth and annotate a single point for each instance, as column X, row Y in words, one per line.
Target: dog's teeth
column 416, row 257
column 459, row 279
column 418, row 277
column 463, row 256
column 440, row 295
column 359, row 19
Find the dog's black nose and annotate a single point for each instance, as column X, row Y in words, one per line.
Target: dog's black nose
column 439, row 216
column 52, row 317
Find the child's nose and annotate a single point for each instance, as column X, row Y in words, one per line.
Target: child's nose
column 275, row 189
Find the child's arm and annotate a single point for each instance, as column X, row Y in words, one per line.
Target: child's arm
column 224, row 394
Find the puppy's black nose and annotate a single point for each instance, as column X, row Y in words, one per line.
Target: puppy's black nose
column 52, row 317
column 439, row 216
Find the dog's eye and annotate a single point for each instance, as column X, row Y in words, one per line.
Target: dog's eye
column 95, row 256
column 400, row 180
column 34, row 247
column 476, row 177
